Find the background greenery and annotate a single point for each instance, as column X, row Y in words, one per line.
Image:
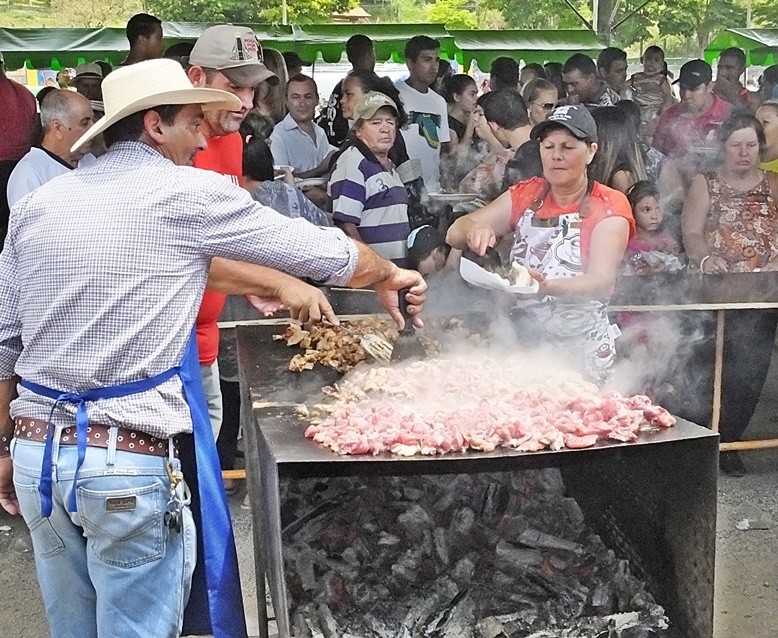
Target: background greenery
column 682, row 27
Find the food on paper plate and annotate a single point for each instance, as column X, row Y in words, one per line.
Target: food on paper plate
column 517, row 275
column 435, row 407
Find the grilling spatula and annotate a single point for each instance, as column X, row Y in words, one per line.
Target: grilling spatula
column 407, row 345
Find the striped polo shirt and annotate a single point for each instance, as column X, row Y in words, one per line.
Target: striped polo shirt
column 365, row 194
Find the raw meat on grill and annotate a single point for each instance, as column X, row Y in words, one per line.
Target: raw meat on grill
column 445, row 406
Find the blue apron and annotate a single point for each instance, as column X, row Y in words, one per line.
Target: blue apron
column 215, row 604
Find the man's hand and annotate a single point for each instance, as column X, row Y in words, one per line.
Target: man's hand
column 386, row 291
column 7, row 492
column 306, row 303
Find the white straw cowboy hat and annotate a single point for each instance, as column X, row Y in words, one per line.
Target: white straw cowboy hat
column 141, row 86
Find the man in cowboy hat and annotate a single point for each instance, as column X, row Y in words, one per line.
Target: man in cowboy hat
column 88, row 80
column 100, row 281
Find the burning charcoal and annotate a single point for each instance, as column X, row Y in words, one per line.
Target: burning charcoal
column 539, row 540
column 461, row 525
column 361, row 594
column 299, row 626
column 494, row 502
column 385, row 538
column 516, row 559
column 602, row 597
column 456, row 492
column 412, row 494
column 379, row 628
column 573, row 515
column 502, row 581
column 464, row 570
column 414, row 522
column 425, row 607
column 350, row 556
column 460, row 622
column 489, row 628
column 441, row 544
column 407, row 568
column 327, row 623
column 479, row 556
column 304, row 559
column 333, row 590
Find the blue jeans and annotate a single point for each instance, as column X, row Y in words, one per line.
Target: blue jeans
column 106, row 574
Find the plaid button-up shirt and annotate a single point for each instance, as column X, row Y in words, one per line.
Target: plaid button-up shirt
column 103, row 270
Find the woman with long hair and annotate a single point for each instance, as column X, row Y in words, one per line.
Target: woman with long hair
column 619, row 159
column 461, row 95
column 541, row 97
column 270, row 100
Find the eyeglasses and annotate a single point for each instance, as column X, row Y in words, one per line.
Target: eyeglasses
column 546, row 106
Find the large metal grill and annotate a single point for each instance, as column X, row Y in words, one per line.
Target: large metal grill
column 653, row 501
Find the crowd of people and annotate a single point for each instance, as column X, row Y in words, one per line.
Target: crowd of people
column 574, row 170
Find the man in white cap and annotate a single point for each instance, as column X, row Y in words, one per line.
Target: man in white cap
column 65, row 117
column 88, row 80
column 100, row 281
column 225, row 57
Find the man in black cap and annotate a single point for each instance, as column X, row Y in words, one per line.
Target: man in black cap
column 693, row 122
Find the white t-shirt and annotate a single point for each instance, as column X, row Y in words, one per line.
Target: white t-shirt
column 34, row 170
column 427, row 129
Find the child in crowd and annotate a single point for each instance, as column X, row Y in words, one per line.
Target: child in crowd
column 653, row 249
column 651, row 90
column 428, row 252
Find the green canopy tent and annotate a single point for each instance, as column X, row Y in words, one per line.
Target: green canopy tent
column 760, row 45
column 58, row 48
column 388, row 39
column 524, row 44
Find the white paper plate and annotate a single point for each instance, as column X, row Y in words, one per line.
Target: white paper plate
column 310, row 182
column 452, row 198
column 477, row 276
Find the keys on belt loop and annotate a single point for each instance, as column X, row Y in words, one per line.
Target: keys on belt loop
column 179, row 492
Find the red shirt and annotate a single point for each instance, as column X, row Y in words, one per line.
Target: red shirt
column 19, row 113
column 224, row 155
column 676, row 133
column 603, row 202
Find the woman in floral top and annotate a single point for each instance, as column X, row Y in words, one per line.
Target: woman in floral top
column 730, row 225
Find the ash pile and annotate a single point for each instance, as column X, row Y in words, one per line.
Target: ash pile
column 503, row 555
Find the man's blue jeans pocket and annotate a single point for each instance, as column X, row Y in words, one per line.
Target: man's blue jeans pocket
column 123, row 522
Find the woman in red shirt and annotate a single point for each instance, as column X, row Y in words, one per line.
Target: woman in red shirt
column 570, row 231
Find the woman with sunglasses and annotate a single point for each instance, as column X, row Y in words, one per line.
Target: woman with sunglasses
column 540, row 96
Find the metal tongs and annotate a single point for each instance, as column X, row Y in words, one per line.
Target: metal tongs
column 375, row 345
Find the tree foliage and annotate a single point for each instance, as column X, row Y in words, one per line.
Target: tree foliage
column 698, row 18
column 92, row 13
column 455, row 14
column 299, row 11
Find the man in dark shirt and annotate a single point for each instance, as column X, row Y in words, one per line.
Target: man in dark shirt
column 359, row 50
column 144, row 33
